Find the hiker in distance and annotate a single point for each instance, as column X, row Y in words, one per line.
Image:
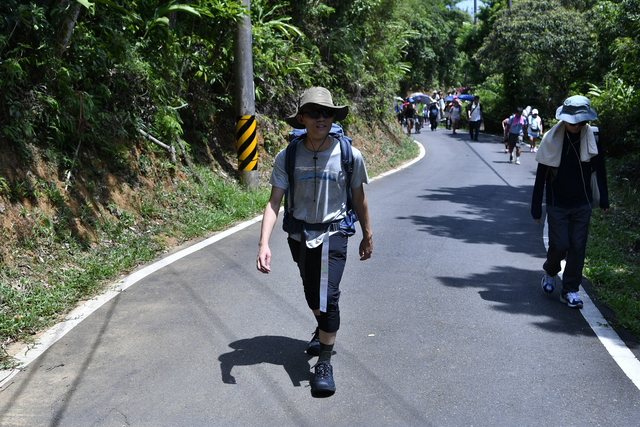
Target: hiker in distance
column 322, row 177
column 567, row 156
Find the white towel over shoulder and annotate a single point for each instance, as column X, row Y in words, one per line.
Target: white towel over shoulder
column 550, row 150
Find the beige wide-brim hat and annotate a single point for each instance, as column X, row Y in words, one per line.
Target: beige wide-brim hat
column 318, row 96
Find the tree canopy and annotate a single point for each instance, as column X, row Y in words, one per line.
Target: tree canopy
column 98, row 71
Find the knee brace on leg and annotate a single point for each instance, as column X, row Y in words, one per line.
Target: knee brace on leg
column 330, row 321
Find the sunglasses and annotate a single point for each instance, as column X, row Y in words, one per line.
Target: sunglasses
column 577, row 124
column 316, row 114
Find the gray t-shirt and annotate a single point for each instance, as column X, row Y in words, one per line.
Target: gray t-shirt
column 320, row 190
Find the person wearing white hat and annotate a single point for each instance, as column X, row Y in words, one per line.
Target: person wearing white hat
column 567, row 155
column 534, row 129
column 318, row 219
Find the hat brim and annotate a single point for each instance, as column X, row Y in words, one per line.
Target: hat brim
column 575, row 118
column 340, row 112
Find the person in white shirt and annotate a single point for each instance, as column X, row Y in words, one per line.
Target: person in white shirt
column 534, row 129
column 474, row 114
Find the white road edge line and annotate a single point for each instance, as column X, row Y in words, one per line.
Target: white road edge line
column 31, row 352
column 616, row 348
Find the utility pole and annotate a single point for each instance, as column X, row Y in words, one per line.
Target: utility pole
column 246, row 137
column 475, row 12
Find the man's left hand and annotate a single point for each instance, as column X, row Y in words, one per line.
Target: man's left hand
column 366, row 248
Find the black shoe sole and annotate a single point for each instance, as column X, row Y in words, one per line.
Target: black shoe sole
column 322, row 393
column 325, row 390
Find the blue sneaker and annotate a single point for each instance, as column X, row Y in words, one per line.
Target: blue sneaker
column 571, row 299
column 548, row 283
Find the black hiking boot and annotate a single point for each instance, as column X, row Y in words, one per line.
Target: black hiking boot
column 322, row 384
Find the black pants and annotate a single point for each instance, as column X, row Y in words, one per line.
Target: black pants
column 311, row 272
column 474, row 129
column 434, row 122
column 568, row 234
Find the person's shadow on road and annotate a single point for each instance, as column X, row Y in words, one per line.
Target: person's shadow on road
column 277, row 350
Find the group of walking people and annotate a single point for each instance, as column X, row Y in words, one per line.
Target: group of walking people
column 416, row 114
column 515, row 128
column 321, row 178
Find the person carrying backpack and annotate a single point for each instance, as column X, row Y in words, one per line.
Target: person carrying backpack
column 409, row 115
column 433, row 116
column 516, row 127
column 322, row 179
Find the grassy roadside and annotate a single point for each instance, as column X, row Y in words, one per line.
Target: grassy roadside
column 52, row 267
column 612, row 263
column 53, row 273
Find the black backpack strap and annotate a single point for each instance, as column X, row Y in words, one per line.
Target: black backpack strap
column 289, row 166
column 347, row 155
column 347, row 165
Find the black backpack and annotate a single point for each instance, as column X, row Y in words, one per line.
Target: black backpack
column 293, row 225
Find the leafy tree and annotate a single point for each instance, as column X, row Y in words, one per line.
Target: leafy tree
column 615, row 95
column 540, row 59
column 359, row 49
column 281, row 55
column 433, row 49
column 472, row 37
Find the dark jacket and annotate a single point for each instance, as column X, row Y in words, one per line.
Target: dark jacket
column 569, row 185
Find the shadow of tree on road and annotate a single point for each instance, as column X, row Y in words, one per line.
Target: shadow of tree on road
column 499, row 215
column 276, row 350
column 488, row 214
column 517, row 291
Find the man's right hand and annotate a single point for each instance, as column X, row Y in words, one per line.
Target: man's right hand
column 263, row 262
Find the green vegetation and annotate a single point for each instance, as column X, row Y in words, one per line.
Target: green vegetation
column 613, row 253
column 85, row 197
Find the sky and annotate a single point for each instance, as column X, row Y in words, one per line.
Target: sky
column 468, row 6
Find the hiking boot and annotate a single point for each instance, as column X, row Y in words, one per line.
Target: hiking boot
column 322, row 384
column 548, row 283
column 313, row 348
column 571, row 299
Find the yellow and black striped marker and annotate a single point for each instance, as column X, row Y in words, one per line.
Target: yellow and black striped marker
column 247, row 143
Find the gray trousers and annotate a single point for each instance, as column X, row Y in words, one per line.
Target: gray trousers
column 568, row 232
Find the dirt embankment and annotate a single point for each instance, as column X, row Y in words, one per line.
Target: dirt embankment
column 41, row 203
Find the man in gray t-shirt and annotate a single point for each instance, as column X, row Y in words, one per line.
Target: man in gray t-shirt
column 320, row 189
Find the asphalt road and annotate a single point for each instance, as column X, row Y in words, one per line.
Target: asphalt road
column 445, row 326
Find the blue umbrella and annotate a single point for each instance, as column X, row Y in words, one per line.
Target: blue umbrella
column 449, row 98
column 421, row 97
column 465, row 97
